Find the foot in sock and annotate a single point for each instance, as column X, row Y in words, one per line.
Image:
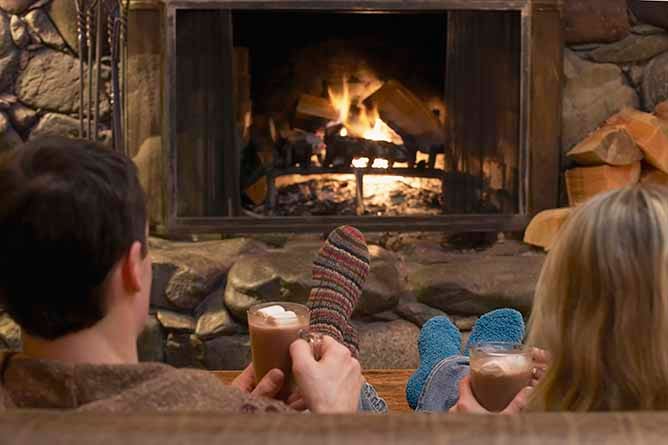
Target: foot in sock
column 439, row 339
column 339, row 271
column 501, row 325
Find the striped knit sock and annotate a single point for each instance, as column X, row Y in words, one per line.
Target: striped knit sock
column 339, row 270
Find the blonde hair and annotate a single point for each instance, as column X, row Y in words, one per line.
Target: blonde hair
column 601, row 306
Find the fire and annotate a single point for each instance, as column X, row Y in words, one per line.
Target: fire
column 358, row 120
column 364, row 163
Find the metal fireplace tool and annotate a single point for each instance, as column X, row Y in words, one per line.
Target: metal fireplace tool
column 91, row 16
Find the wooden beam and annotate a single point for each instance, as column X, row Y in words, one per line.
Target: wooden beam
column 585, row 182
column 608, row 145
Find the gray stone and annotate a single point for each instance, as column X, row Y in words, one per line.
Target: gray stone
column 9, row 138
column 15, row 6
column 478, row 286
column 585, row 47
column 41, row 25
column 175, row 322
column 63, row 14
column 20, row 34
column 594, row 20
column 163, row 271
column 143, row 96
column 508, row 248
column 655, row 82
column 201, row 268
column 151, row 342
column 384, row 283
column 636, row 73
column 149, row 163
column 644, row 29
column 418, row 313
column 227, row 353
column 391, row 345
column 184, row 351
column 9, row 63
column 214, row 318
column 10, row 334
column 50, row 82
column 283, row 275
column 633, row 48
column 22, row 117
column 592, row 93
column 54, row 124
column 384, row 316
column 464, row 323
column 6, row 45
column 652, row 12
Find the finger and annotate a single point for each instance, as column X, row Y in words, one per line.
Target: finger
column 302, row 356
column 332, row 350
column 298, row 405
column 270, row 384
column 520, row 402
column 540, row 356
column 246, row 380
column 294, row 397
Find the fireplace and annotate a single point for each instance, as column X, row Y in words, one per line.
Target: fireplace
column 300, row 116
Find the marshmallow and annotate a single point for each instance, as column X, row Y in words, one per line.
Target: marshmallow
column 272, row 311
column 508, row 364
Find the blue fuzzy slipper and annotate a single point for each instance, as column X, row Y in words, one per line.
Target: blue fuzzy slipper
column 439, row 339
column 506, row 325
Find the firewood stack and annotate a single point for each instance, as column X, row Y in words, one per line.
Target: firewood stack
column 631, row 147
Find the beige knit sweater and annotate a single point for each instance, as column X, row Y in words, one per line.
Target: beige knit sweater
column 146, row 387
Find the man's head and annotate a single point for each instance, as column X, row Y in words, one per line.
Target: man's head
column 72, row 237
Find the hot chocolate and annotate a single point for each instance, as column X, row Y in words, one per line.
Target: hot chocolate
column 273, row 328
column 498, row 372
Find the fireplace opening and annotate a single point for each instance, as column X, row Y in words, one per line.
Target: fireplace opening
column 341, row 113
column 320, row 116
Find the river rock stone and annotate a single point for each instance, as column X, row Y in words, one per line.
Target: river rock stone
column 175, row 322
column 184, row 351
column 644, row 29
column 595, row 20
column 227, row 353
column 654, row 13
column 54, row 124
column 655, row 81
column 201, row 268
column 41, row 25
column 149, row 164
column 214, row 318
column 464, row 323
column 592, row 93
column 388, row 345
column 281, row 275
column 15, row 6
column 19, row 31
column 22, row 117
column 63, row 14
column 633, row 48
column 9, row 138
column 151, row 342
column 9, row 55
column 50, row 82
column 477, row 286
column 384, row 284
column 418, row 313
column 10, row 334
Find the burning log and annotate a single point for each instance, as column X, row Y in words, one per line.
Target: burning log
column 341, row 150
column 313, row 106
column 583, row 183
column 298, row 148
column 608, row 145
column 406, row 114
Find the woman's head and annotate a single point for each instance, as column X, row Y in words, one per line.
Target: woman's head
column 601, row 306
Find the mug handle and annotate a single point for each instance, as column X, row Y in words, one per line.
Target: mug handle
column 314, row 339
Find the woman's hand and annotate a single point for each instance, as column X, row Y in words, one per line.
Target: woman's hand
column 541, row 360
column 269, row 386
column 467, row 403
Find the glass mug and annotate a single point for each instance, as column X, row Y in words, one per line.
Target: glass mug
column 270, row 341
column 499, row 370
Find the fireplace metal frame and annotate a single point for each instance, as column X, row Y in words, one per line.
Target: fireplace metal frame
column 540, row 110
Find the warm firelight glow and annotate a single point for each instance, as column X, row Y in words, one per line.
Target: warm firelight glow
column 377, row 163
column 360, row 162
column 358, row 120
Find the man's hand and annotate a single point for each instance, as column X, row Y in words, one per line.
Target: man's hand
column 467, row 403
column 269, row 386
column 541, row 360
column 330, row 385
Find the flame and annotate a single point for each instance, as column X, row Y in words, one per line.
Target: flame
column 358, row 120
column 360, row 162
column 377, row 163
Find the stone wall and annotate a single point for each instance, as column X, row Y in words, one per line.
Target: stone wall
column 201, row 291
column 39, row 72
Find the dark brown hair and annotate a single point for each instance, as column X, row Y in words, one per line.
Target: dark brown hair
column 69, row 211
